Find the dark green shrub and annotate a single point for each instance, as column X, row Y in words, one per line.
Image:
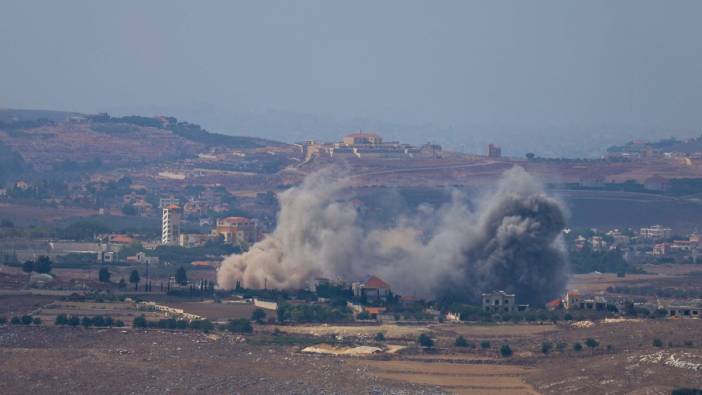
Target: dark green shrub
column 461, row 342
column 592, row 343
column 61, row 319
column 546, row 347
column 657, row 342
column 240, row 325
column 506, row 350
column 139, row 322
column 73, row 321
column 485, row 344
column 425, row 341
column 577, row 347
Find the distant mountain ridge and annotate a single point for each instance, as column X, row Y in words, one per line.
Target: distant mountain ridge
column 665, row 145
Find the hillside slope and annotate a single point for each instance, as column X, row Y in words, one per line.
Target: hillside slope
column 49, row 141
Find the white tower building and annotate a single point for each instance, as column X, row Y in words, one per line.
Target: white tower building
column 170, row 231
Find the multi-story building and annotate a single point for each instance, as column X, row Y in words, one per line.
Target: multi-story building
column 655, row 232
column 499, row 302
column 494, row 151
column 170, row 230
column 237, row 230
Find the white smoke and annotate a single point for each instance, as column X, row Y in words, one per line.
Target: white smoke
column 508, row 242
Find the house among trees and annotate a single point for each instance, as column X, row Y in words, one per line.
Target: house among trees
column 373, row 288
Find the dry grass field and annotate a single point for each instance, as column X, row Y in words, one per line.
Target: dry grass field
column 457, row 377
column 216, row 311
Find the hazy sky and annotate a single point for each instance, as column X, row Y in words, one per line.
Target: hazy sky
column 462, row 72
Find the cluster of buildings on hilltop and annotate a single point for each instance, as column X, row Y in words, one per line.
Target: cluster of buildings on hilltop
column 366, row 145
column 657, row 241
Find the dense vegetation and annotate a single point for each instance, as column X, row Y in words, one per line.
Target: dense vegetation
column 312, row 313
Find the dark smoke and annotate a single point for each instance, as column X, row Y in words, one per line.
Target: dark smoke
column 509, row 242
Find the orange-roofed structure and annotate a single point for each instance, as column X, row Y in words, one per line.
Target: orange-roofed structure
column 121, row 239
column 373, row 288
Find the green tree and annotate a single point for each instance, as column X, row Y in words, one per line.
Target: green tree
column 104, row 275
column 425, row 341
column 506, row 350
column 485, row 344
column 140, row 322
column 43, row 265
column 657, row 342
column 28, row 266
column 15, row 321
column 546, row 347
column 181, row 277
column 561, row 346
column 61, row 319
column 3, row 320
column 135, row 279
column 258, row 315
column 379, row 337
column 202, row 325
column 577, row 347
column 240, row 325
column 86, row 322
column 592, row 343
column 36, row 321
column 26, row 319
column 98, row 321
column 461, row 342
column 74, row 321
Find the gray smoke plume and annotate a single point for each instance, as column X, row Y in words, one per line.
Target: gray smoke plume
column 509, row 241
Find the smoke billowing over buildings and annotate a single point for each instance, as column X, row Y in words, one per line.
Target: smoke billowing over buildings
column 509, row 240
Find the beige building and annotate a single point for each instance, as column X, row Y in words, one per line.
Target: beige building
column 362, row 139
column 237, row 230
column 499, row 302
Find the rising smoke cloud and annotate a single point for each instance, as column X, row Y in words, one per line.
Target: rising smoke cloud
column 509, row 241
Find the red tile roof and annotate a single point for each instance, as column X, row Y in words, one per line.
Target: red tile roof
column 375, row 282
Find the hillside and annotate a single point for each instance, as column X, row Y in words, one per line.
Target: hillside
column 666, row 145
column 60, row 142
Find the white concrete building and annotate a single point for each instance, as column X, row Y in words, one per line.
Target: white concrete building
column 170, row 231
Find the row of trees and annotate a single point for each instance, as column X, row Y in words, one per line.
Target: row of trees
column 312, row 313
column 86, row 321
column 42, row 265
column 23, row 320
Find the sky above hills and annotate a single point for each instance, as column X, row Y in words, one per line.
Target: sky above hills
column 553, row 77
